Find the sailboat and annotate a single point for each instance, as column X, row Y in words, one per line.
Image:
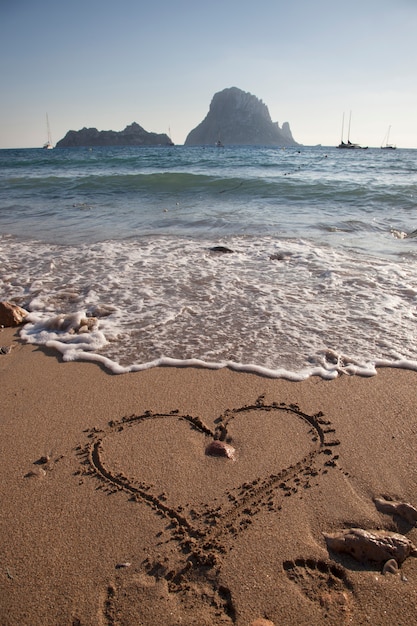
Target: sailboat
column 388, row 146
column 48, row 145
column 219, row 143
column 348, row 145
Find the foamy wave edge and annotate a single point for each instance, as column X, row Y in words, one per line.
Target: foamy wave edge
column 85, row 346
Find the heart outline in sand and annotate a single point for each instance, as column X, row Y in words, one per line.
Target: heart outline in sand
column 200, row 536
column 208, row 525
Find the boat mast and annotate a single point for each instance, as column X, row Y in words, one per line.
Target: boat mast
column 350, row 117
column 48, row 130
column 343, row 126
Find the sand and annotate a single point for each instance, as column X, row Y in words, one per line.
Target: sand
column 112, row 513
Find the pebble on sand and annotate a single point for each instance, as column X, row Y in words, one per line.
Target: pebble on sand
column 219, row 448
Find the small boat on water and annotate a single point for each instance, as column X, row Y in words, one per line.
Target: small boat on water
column 48, row 145
column 385, row 144
column 349, row 145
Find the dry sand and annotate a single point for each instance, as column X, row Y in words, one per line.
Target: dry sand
column 112, row 513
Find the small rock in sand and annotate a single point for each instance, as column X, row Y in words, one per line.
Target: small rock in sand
column 43, row 460
column 39, row 472
column 377, row 546
column 393, row 507
column 262, row 622
column 219, row 448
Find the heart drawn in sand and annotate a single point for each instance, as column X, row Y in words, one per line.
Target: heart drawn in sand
column 206, row 497
column 206, row 500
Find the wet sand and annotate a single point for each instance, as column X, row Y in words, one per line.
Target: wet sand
column 113, row 514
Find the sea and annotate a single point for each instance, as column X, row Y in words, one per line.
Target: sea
column 287, row 263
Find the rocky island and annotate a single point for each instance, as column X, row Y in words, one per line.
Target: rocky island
column 239, row 118
column 133, row 135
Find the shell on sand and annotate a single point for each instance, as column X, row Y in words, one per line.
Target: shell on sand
column 377, row 546
column 390, row 567
column 393, row 507
column 219, row 448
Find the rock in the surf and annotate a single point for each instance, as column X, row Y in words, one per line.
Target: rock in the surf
column 71, row 323
column 221, row 250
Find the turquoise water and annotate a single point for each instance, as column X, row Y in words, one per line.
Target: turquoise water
column 321, row 278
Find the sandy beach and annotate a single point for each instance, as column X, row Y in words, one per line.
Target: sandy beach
column 112, row 512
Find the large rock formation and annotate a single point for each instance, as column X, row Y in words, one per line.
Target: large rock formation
column 239, row 118
column 133, row 135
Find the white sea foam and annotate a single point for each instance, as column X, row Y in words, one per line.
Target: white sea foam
column 280, row 308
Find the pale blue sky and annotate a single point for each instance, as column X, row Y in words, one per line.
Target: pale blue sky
column 106, row 64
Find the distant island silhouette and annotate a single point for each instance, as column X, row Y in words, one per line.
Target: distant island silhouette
column 132, row 135
column 238, row 118
column 235, row 118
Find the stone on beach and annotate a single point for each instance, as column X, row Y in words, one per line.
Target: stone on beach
column 393, row 507
column 219, row 448
column 11, row 314
column 376, row 546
